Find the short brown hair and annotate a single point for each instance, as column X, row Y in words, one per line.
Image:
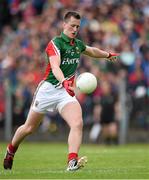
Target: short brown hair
column 70, row 14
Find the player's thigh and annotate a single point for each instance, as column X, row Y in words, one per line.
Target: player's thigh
column 34, row 119
column 72, row 114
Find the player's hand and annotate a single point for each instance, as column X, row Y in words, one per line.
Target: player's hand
column 113, row 57
column 68, row 86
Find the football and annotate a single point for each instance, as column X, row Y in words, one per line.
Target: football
column 86, row 82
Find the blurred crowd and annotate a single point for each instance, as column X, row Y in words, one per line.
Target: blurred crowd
column 26, row 26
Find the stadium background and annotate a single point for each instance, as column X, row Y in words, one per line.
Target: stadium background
column 26, row 26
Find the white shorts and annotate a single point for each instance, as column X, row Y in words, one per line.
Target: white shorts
column 48, row 98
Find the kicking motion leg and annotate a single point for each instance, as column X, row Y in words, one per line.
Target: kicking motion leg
column 32, row 122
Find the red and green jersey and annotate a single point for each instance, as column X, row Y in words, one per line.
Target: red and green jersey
column 69, row 51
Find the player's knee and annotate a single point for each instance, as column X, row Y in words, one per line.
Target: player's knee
column 30, row 129
column 78, row 124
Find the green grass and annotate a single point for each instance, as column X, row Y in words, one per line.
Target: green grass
column 48, row 161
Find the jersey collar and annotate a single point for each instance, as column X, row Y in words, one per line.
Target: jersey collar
column 66, row 38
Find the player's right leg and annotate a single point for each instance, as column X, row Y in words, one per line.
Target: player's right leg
column 32, row 122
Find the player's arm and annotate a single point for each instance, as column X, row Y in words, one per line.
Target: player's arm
column 57, row 72
column 98, row 53
column 55, row 66
column 55, row 60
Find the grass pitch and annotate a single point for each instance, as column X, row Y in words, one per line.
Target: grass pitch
column 48, row 161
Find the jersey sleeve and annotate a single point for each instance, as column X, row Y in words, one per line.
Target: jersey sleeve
column 82, row 46
column 52, row 49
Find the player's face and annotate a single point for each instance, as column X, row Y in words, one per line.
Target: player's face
column 71, row 27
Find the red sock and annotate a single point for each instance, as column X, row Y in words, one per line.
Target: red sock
column 12, row 149
column 72, row 156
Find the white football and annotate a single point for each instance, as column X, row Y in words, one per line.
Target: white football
column 86, row 82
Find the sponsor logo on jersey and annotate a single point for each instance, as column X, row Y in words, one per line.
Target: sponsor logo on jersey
column 70, row 61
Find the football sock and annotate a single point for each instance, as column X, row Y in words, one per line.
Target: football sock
column 72, row 156
column 12, row 149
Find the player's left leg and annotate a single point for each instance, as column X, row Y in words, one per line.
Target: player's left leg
column 72, row 114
